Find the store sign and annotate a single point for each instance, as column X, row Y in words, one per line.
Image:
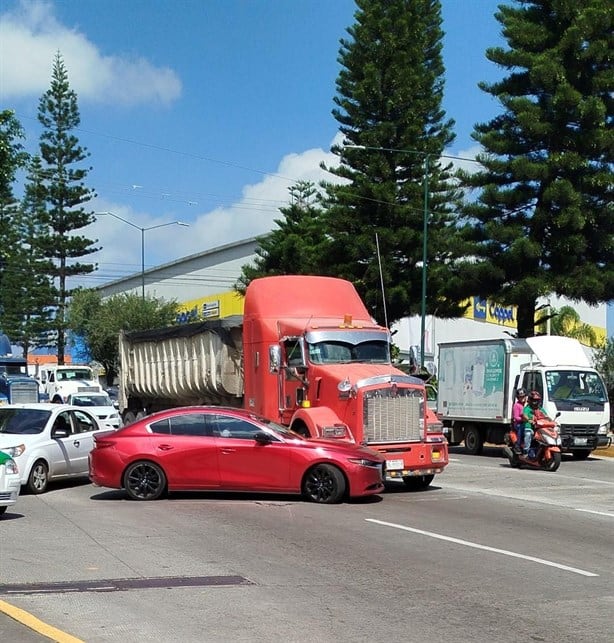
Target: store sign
column 494, row 313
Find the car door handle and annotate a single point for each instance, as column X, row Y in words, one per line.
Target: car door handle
column 165, row 447
column 76, row 443
column 228, row 450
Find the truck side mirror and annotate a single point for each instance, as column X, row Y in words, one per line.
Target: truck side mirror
column 274, row 358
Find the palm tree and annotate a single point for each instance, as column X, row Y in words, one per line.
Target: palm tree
column 567, row 323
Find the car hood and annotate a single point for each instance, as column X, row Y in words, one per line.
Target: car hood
column 13, row 439
column 347, row 449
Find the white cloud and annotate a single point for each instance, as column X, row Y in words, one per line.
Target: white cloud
column 31, row 36
column 251, row 216
column 464, row 159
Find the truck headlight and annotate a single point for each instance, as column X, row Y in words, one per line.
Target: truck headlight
column 603, row 429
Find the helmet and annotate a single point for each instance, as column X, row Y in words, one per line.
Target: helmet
column 521, row 393
column 534, row 397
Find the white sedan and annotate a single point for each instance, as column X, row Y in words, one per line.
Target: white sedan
column 100, row 405
column 10, row 484
column 48, row 441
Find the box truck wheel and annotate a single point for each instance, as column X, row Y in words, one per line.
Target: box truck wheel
column 581, row 454
column 473, row 440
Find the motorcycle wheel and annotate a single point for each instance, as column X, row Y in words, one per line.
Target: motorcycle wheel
column 553, row 463
column 512, row 457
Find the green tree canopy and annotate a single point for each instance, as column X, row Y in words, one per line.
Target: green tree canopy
column 543, row 221
column 98, row 322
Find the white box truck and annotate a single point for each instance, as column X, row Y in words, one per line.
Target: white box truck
column 478, row 380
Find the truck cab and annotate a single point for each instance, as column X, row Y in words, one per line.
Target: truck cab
column 59, row 382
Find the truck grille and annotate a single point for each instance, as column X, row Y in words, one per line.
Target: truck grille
column 392, row 415
column 24, row 392
column 579, row 429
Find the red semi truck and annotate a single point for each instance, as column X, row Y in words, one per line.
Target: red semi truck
column 306, row 354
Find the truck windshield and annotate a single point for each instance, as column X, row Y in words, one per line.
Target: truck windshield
column 76, row 374
column 575, row 386
column 14, row 369
column 23, row 421
column 335, row 352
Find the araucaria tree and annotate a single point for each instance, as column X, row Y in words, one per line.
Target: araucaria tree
column 543, row 219
column 64, row 192
column 388, row 106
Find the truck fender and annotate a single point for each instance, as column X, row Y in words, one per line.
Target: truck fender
column 309, row 421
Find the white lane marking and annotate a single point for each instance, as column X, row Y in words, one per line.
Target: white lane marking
column 598, row 513
column 494, row 550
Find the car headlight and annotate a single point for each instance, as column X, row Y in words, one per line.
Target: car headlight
column 10, row 466
column 364, row 462
column 15, row 452
column 603, row 429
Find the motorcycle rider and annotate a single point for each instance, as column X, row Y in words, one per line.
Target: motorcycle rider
column 531, row 412
column 517, row 419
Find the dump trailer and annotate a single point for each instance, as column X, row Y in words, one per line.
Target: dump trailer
column 478, row 381
column 305, row 354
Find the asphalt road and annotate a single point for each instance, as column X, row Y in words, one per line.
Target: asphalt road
column 487, row 554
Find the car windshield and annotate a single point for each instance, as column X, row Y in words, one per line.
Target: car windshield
column 278, row 428
column 23, row 421
column 90, row 400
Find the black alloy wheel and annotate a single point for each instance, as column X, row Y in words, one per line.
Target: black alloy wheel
column 324, row 484
column 144, row 481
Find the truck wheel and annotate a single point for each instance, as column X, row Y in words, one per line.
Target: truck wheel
column 325, row 484
column 581, row 454
column 38, row 478
column 473, row 441
column 417, row 483
column 301, row 429
column 2, row 510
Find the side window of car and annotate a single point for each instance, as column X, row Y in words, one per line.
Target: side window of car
column 193, row 424
column 161, row 426
column 62, row 422
column 83, row 422
column 230, row 427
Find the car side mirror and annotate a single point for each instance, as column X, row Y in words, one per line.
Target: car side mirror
column 116, row 404
column 263, row 438
column 60, row 433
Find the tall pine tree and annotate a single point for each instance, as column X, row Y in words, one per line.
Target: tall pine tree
column 12, row 158
column 64, row 192
column 544, row 219
column 389, row 97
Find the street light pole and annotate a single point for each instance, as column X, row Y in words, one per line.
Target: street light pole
column 425, row 219
column 143, row 230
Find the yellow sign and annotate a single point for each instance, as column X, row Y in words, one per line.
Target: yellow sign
column 210, row 307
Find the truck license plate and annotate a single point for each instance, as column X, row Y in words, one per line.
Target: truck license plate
column 394, row 465
column 580, row 441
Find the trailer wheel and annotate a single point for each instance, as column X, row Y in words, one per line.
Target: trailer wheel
column 473, row 441
column 129, row 418
column 417, row 483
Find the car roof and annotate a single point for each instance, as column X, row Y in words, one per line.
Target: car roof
column 232, row 410
column 45, row 406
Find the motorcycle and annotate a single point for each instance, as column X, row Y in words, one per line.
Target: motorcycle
column 545, row 450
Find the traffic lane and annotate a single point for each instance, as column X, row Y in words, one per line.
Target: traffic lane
column 16, row 630
column 324, row 569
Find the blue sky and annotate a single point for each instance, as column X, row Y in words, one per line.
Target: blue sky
column 206, row 111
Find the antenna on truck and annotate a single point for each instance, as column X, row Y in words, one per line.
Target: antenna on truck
column 381, row 279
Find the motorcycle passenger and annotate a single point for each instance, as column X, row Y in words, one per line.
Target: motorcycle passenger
column 517, row 419
column 531, row 412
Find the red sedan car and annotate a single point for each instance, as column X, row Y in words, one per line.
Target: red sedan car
column 213, row 448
